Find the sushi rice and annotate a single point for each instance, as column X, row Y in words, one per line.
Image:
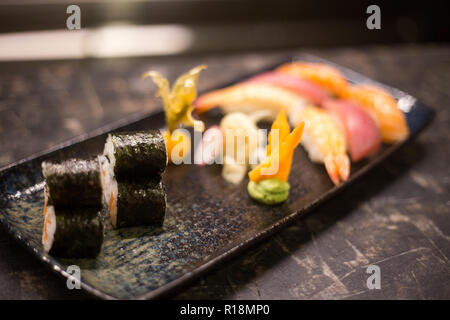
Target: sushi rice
column 109, row 183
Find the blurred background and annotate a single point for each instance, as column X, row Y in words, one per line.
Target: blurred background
column 36, row 29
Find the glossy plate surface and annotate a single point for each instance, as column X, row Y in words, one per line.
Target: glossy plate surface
column 207, row 219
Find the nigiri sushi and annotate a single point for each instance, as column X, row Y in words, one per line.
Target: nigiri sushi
column 250, row 97
column 384, row 108
column 324, row 141
column 320, row 74
column 309, row 90
column 362, row 133
column 241, row 142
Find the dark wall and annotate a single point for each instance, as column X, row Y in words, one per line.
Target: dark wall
column 327, row 22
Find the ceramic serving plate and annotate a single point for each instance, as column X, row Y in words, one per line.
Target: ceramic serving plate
column 207, row 220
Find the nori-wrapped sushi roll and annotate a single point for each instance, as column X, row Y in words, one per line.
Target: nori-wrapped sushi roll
column 72, row 232
column 136, row 154
column 73, row 183
column 136, row 203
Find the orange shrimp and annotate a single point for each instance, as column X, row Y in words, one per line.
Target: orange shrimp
column 321, row 74
column 383, row 107
column 324, row 142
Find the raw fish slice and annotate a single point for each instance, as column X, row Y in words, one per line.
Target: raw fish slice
column 363, row 135
column 384, row 108
column 309, row 90
column 325, row 76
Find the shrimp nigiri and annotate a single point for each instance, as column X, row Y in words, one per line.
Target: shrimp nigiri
column 363, row 135
column 250, row 97
column 323, row 75
column 324, row 141
column 384, row 108
column 309, row 90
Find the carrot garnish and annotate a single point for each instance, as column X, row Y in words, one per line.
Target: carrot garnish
column 282, row 125
column 280, row 159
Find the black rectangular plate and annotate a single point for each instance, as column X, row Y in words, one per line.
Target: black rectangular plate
column 207, row 221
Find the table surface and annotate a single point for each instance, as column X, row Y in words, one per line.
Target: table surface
column 396, row 218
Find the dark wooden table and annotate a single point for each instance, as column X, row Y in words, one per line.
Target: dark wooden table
column 396, row 218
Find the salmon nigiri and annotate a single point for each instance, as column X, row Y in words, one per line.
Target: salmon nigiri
column 309, row 90
column 250, row 97
column 324, row 141
column 320, row 74
column 384, row 108
column 363, row 135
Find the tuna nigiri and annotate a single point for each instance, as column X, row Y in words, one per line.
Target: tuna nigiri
column 363, row 136
column 250, row 97
column 324, row 141
column 320, row 74
column 384, row 108
column 309, row 90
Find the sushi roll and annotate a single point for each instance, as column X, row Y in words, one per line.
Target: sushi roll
column 135, row 203
column 72, row 232
column 136, row 154
column 73, row 183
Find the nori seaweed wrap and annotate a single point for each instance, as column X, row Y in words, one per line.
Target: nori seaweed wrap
column 73, row 232
column 136, row 154
column 73, row 183
column 135, row 203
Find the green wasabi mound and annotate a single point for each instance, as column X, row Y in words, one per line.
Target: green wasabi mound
column 270, row 191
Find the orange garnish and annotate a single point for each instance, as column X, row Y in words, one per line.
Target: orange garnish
column 283, row 155
column 282, row 125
